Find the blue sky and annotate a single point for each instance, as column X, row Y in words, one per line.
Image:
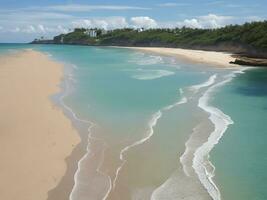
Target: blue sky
column 24, row 20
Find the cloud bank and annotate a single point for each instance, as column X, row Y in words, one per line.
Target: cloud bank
column 54, row 23
column 48, row 21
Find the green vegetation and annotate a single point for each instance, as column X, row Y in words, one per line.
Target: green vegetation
column 249, row 38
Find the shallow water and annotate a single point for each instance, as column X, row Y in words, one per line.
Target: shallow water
column 241, row 156
column 132, row 104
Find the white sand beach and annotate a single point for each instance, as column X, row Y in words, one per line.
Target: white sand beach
column 219, row 59
column 35, row 135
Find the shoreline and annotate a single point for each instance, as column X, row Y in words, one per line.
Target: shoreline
column 220, row 59
column 38, row 139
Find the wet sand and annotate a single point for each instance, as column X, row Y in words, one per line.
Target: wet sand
column 35, row 135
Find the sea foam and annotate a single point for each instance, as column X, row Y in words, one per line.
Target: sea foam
column 149, row 74
column 144, row 59
column 221, row 121
column 166, row 186
column 201, row 155
column 209, row 82
column 195, row 89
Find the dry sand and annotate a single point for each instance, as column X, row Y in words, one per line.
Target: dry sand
column 219, row 59
column 35, row 136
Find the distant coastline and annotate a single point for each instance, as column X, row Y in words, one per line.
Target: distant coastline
column 247, row 42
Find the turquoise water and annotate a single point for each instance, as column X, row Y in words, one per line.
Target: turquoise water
column 142, row 112
column 11, row 48
column 241, row 156
column 121, row 90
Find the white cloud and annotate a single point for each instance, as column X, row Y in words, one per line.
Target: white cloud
column 28, row 23
column 117, row 22
column 105, row 23
column 192, row 23
column 143, row 22
column 214, row 21
column 38, row 29
column 207, row 21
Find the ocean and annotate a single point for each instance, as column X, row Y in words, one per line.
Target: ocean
column 154, row 127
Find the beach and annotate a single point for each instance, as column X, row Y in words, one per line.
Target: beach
column 213, row 58
column 138, row 125
column 165, row 133
column 36, row 137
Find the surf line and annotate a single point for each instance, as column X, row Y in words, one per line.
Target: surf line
column 195, row 89
column 152, row 123
column 221, row 121
column 91, row 125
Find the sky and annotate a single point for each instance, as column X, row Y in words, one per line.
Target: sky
column 24, row 20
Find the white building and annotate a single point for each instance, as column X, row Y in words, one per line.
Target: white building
column 91, row 33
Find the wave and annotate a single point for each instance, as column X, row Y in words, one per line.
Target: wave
column 209, row 82
column 195, row 89
column 221, row 121
column 166, row 185
column 148, row 74
column 151, row 124
column 144, row 59
column 200, row 158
